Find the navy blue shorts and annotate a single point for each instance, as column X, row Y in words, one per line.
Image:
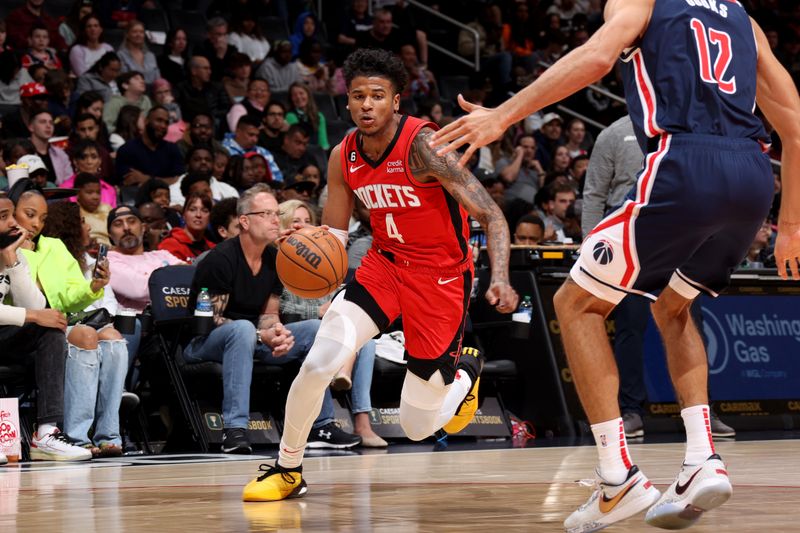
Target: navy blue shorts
column 688, row 223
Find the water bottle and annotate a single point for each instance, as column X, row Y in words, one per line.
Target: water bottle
column 522, row 318
column 203, row 314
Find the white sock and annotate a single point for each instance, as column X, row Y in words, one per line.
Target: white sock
column 458, row 391
column 612, row 448
column 45, row 429
column 699, row 444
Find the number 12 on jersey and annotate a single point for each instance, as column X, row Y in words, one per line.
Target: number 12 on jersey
column 722, row 40
column 391, row 228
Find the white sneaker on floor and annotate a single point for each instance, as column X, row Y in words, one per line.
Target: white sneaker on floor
column 57, row 446
column 609, row 503
column 697, row 489
column 3, row 459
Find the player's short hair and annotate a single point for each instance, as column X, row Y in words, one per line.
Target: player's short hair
column 379, row 63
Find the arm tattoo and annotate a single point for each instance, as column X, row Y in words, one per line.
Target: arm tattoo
column 267, row 320
column 425, row 165
column 219, row 302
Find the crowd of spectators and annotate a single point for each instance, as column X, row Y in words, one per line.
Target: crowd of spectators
column 153, row 132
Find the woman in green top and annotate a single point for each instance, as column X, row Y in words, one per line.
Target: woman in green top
column 303, row 110
column 97, row 361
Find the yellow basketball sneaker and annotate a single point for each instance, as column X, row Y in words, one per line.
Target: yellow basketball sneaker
column 276, row 483
column 471, row 362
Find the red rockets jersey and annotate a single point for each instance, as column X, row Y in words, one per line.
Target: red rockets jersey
column 417, row 222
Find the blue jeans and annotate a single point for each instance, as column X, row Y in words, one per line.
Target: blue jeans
column 234, row 345
column 362, row 379
column 93, row 384
column 134, row 339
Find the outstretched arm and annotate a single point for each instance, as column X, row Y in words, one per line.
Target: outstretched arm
column 425, row 165
column 625, row 22
column 777, row 97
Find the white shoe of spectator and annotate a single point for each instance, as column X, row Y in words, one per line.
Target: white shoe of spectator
column 57, row 446
column 3, row 459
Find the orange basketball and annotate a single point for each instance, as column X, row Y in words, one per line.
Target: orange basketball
column 311, row 262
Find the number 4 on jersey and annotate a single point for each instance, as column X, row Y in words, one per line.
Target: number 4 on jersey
column 391, row 229
column 723, row 41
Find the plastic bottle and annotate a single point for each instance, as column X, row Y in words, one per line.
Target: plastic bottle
column 525, row 311
column 203, row 314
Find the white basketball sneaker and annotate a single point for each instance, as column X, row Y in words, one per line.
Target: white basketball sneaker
column 697, row 489
column 57, row 446
column 609, row 503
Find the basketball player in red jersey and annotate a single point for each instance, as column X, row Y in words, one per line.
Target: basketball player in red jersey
column 420, row 266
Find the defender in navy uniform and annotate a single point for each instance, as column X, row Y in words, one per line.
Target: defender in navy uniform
column 694, row 70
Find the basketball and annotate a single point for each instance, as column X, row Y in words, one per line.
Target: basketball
column 311, row 263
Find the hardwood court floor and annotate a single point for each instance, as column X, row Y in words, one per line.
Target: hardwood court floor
column 491, row 490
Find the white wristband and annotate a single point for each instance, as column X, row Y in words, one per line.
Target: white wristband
column 340, row 234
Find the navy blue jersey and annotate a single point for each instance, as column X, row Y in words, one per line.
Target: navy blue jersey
column 694, row 71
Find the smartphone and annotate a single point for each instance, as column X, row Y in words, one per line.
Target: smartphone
column 7, row 239
column 102, row 253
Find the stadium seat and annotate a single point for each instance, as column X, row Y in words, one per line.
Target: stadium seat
column 281, row 96
column 274, row 28
column 337, row 129
column 326, row 106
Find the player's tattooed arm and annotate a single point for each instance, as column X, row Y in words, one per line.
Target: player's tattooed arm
column 426, row 165
column 218, row 303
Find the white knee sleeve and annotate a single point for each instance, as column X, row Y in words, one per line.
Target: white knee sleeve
column 420, row 404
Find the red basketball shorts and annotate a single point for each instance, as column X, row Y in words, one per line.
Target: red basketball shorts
column 433, row 304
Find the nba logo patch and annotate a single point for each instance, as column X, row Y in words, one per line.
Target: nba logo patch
column 352, row 156
column 603, row 441
column 603, row 252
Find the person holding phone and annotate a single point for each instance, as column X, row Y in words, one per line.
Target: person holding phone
column 97, row 359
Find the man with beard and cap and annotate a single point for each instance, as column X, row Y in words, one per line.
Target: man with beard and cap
column 200, row 162
column 130, row 264
column 150, row 156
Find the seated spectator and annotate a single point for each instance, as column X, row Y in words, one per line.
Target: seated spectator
column 39, row 51
column 244, row 140
column 85, row 155
column 150, row 156
column 518, row 37
column 199, row 95
column 130, row 264
column 253, row 104
column 12, row 78
column 133, row 91
column 238, row 69
column 224, row 220
column 33, row 98
column 246, row 303
column 297, row 189
column 354, row 20
column 37, row 171
column 357, row 375
column 190, row 241
column 279, row 70
column 560, row 162
column 495, row 60
column 59, row 100
column 92, row 102
column 197, row 185
column 200, row 162
column 221, row 158
column 529, row 230
column 55, row 159
column 382, row 34
column 158, row 192
column 274, row 125
column 173, row 60
column 293, row 154
column 577, row 172
column 134, row 54
column 313, row 72
column 561, row 219
column 303, row 110
column 522, row 174
column 241, row 172
column 311, row 173
column 200, row 132
column 38, row 72
column 246, row 36
column 216, row 48
column 20, row 21
column 13, row 150
column 306, row 28
column 31, row 333
column 576, row 137
column 162, row 95
column 155, row 224
column 99, row 402
column 101, row 77
column 129, row 126
column 548, row 138
column 760, row 254
column 421, row 81
column 66, row 289
column 493, row 185
column 93, row 211
column 89, row 47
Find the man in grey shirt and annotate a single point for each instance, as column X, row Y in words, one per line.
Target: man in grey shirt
column 613, row 168
column 522, row 173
